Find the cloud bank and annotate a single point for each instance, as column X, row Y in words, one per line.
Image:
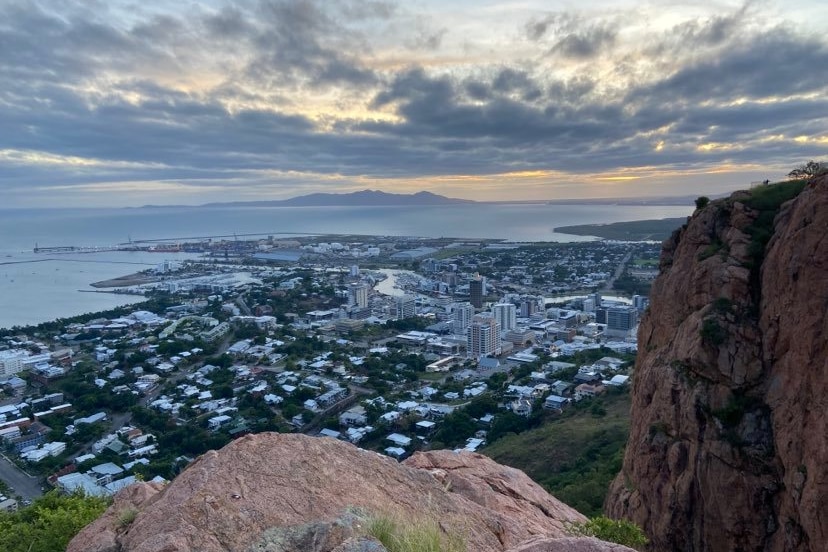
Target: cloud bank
column 106, row 103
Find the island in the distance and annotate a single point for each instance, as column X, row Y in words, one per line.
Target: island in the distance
column 353, row 199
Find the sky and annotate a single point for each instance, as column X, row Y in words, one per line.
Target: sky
column 126, row 103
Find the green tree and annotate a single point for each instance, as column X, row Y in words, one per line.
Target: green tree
column 49, row 523
column 456, row 428
column 809, row 170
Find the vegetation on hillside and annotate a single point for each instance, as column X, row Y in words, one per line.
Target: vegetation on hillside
column 49, row 523
column 630, row 285
column 619, row 531
column 576, row 456
column 413, row 536
column 767, row 200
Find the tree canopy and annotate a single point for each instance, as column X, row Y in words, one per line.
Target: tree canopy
column 808, row 170
column 49, row 523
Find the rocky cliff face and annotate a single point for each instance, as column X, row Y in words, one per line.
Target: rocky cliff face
column 273, row 492
column 729, row 442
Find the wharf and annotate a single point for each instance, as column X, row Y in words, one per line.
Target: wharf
column 74, row 249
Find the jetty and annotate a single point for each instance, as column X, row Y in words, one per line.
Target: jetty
column 74, row 249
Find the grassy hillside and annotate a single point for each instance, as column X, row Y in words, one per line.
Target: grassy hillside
column 575, row 456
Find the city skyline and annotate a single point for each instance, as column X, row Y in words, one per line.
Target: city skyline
column 116, row 104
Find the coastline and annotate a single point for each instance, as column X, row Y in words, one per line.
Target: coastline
column 134, row 279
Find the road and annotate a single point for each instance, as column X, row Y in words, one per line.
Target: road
column 618, row 271
column 26, row 486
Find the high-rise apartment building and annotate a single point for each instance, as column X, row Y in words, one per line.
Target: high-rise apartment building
column 406, row 307
column 358, row 295
column 506, row 316
column 528, row 307
column 482, row 337
column 461, row 315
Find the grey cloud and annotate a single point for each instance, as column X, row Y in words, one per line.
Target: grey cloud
column 572, row 35
column 552, row 24
column 715, row 30
column 427, row 39
column 497, row 119
column 772, row 64
column 301, row 41
column 360, row 10
column 586, row 43
column 227, row 23
column 476, row 90
column 536, row 29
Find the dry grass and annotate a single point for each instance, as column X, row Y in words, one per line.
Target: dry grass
column 413, row 535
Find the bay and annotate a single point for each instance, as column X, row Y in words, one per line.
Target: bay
column 36, row 287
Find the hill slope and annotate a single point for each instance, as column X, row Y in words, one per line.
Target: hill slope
column 575, row 457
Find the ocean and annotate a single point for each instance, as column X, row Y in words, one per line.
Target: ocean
column 40, row 287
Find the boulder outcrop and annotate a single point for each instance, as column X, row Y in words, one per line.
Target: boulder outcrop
column 729, row 441
column 280, row 492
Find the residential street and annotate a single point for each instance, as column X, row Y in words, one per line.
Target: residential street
column 618, row 272
column 22, row 484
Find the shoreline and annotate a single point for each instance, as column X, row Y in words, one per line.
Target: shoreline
column 134, row 279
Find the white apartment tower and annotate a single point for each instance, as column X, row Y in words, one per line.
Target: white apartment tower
column 11, row 362
column 406, row 307
column 506, row 316
column 461, row 315
column 358, row 295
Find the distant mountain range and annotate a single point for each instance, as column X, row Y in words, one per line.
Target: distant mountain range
column 379, row 199
column 362, row 198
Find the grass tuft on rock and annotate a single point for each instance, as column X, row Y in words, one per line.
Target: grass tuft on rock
column 413, row 535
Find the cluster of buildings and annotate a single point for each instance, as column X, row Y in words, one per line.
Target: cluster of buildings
column 294, row 348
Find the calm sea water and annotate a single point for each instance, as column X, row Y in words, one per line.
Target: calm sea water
column 37, row 287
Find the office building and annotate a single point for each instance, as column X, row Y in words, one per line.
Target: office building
column 476, row 292
column 621, row 319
